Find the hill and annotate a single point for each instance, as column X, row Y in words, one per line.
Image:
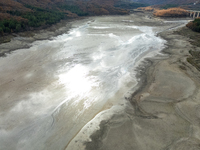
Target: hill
column 188, row 4
column 156, row 2
column 19, row 15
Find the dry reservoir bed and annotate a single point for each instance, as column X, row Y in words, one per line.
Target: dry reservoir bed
column 74, row 91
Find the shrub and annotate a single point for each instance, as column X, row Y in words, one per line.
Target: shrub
column 194, row 25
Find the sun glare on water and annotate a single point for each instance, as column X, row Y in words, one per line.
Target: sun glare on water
column 78, row 34
column 77, row 81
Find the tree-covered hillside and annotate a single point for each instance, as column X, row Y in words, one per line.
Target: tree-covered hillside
column 19, row 15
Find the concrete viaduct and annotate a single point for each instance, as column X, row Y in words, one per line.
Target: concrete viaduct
column 194, row 14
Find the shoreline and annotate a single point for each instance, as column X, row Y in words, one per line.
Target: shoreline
column 23, row 39
column 11, row 42
column 30, row 33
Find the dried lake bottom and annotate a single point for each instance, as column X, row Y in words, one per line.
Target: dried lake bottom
column 89, row 88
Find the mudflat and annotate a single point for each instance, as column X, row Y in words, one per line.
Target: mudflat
column 161, row 113
column 164, row 110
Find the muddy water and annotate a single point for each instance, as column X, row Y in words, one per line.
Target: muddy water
column 52, row 89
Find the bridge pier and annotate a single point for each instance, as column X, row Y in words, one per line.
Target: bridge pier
column 190, row 14
column 194, row 15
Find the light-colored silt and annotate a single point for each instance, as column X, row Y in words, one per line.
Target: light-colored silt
column 51, row 90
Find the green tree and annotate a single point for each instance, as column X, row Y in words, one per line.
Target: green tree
column 2, row 26
column 12, row 24
column 1, row 30
column 7, row 30
column 18, row 27
column 6, row 23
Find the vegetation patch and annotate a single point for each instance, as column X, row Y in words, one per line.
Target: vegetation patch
column 159, row 11
column 41, row 16
column 171, row 12
column 11, row 25
column 194, row 25
column 23, row 20
column 33, row 14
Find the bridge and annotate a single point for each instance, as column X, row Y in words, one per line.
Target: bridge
column 194, row 14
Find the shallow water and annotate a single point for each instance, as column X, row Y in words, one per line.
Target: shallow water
column 52, row 89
